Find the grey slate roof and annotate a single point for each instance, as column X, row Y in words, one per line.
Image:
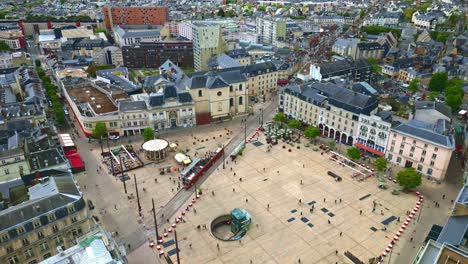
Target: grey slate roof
column 454, row 230
column 442, row 108
column 66, row 192
column 415, row 129
column 132, row 106
column 462, row 197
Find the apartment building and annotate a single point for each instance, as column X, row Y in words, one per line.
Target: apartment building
column 153, row 54
column 262, row 78
column 421, row 146
column 407, row 75
column 218, row 95
column 373, row 132
column 134, row 15
column 184, row 30
column 51, row 218
column 335, row 110
column 13, row 36
column 240, row 55
column 207, row 43
column 345, row 47
column 270, row 29
column 366, row 50
column 425, row 143
column 356, row 70
column 110, row 55
column 133, row 116
column 13, row 164
column 383, row 19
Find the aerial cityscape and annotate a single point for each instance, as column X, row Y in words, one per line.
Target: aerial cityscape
column 233, row 131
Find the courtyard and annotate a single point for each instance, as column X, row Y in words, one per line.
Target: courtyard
column 278, row 188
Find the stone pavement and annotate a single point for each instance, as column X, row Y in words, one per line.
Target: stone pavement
column 274, row 239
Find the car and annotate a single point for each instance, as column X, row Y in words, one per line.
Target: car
column 65, row 110
column 114, row 137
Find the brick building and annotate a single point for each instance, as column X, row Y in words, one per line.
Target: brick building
column 134, row 15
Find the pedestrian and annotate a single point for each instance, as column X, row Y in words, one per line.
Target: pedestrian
column 443, row 196
column 263, row 169
column 341, row 233
column 85, row 187
column 234, row 174
column 324, row 199
column 240, row 179
column 329, row 221
column 340, row 200
column 268, row 206
column 298, row 260
column 303, row 165
column 190, row 245
column 231, row 168
column 172, row 189
column 194, row 210
column 411, row 239
column 373, row 210
column 301, row 212
column 155, row 179
column 311, row 210
column 301, row 182
column 277, row 172
column 300, row 200
column 381, row 212
column 217, row 245
column 129, row 246
column 246, row 200
column 233, row 189
column 335, row 201
column 336, row 252
column 212, row 193
column 360, row 212
column 398, row 220
column 115, row 206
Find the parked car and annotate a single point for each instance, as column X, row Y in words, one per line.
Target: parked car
column 114, row 137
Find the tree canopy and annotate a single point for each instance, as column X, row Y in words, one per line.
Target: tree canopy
column 279, row 117
column 438, row 82
column 409, row 178
column 100, row 130
column 4, row 46
column 294, row 123
column 414, row 85
column 380, row 164
column 353, row 153
column 311, row 132
column 148, row 134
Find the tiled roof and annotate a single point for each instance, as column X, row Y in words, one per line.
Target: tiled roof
column 414, row 129
column 132, row 106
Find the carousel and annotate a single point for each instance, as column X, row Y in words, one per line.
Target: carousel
column 156, row 149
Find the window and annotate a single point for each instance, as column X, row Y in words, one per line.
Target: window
column 4, row 238
column 73, row 219
column 200, row 93
column 398, row 160
column 400, row 152
column 432, row 163
column 21, row 230
column 436, row 149
column 48, row 255
column 44, row 246
column 58, row 240
column 219, row 93
column 29, row 253
column 9, row 249
column 423, row 153
column 241, row 100
column 434, row 156
column 13, row 260
column 40, row 235
column 25, row 241
column 425, row 145
column 393, row 142
column 429, row 171
column 7, row 171
column 420, row 167
column 390, row 156
column 412, row 149
column 422, row 159
column 54, row 228
column 231, row 89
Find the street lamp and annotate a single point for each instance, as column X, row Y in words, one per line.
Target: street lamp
column 138, row 196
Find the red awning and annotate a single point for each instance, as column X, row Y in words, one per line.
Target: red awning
column 369, row 149
column 71, row 152
column 75, row 161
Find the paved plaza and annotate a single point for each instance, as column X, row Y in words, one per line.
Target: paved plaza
column 287, row 231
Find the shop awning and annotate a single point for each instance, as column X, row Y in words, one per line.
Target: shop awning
column 369, row 149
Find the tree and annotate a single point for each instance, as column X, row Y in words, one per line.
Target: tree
column 380, row 164
column 408, row 13
column 454, row 101
column 279, row 117
column 4, row 46
column 332, row 144
column 294, row 123
column 409, row 178
column 438, row 82
column 99, row 130
column 311, row 132
column 148, row 134
column 432, row 95
column 362, row 13
column 38, row 63
column 221, row 12
column 353, row 153
column 414, row 85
